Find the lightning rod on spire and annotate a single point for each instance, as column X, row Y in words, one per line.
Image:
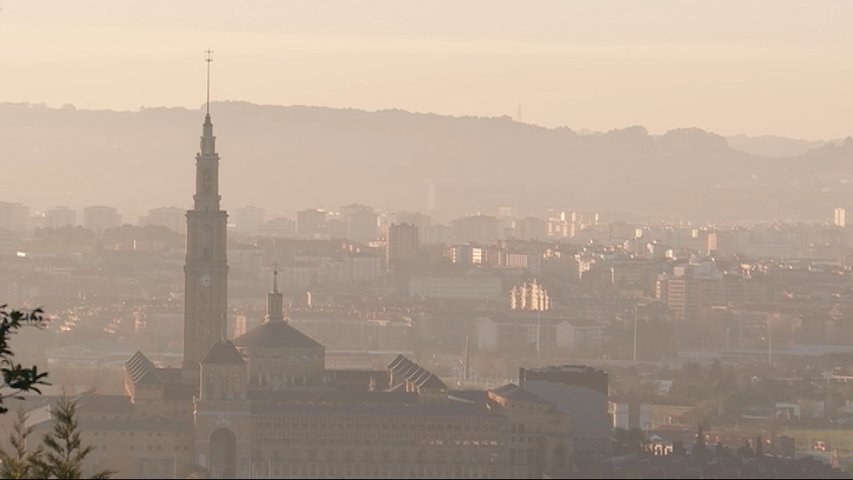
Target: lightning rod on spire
column 275, row 278
column 208, row 57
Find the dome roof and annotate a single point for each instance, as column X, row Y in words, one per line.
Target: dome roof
column 275, row 334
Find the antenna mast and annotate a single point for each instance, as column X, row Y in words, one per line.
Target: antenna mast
column 275, row 278
column 208, row 57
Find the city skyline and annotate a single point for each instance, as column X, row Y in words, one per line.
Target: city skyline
column 368, row 292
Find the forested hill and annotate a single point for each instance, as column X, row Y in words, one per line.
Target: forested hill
column 295, row 157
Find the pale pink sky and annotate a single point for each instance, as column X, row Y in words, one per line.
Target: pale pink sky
column 759, row 67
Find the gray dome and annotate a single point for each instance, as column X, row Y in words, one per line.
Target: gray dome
column 275, row 334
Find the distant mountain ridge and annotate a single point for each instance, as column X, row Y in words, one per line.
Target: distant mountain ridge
column 774, row 146
column 295, row 157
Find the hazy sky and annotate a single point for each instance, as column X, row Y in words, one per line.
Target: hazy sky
column 760, row 67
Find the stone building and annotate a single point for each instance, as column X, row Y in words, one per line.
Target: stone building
column 264, row 405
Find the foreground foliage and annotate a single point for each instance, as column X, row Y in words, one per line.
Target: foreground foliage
column 17, row 379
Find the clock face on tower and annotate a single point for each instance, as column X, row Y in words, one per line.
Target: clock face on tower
column 205, row 280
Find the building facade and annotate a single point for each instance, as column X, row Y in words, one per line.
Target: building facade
column 60, row 217
column 581, row 391
column 402, row 246
column 361, row 223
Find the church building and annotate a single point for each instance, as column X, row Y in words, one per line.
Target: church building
column 264, row 405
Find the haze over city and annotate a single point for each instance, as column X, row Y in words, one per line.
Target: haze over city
column 398, row 239
column 758, row 68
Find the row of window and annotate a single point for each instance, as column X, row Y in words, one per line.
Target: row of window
column 333, row 440
column 360, row 433
column 261, row 470
column 326, row 423
column 387, row 465
column 150, row 448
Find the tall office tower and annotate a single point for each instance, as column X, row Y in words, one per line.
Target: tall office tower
column 206, row 268
column 838, row 217
column 402, row 247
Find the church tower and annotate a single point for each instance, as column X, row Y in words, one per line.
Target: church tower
column 275, row 300
column 206, row 267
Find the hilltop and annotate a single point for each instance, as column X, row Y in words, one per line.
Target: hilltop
column 292, row 157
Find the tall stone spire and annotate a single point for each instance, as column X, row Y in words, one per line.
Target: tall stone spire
column 275, row 300
column 208, row 141
column 207, row 161
column 206, row 267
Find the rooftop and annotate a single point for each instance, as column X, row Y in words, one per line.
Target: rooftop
column 275, row 334
column 223, row 352
column 565, row 369
column 451, row 410
column 514, row 392
column 141, row 370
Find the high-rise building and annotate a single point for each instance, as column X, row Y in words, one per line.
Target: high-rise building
column 98, row 218
column 60, row 217
column 838, row 217
column 402, row 246
column 530, row 296
column 206, row 268
column 361, row 223
column 711, row 243
column 531, row 228
column 692, row 288
column 311, row 223
column 422, row 221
